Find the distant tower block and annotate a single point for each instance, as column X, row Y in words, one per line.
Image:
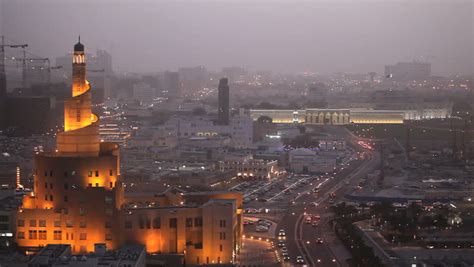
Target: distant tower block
column 223, row 111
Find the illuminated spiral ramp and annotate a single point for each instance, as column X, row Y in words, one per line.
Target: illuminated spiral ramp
column 81, row 128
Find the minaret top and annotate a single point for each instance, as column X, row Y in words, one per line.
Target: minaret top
column 79, row 47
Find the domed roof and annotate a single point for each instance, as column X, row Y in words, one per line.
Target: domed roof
column 79, row 47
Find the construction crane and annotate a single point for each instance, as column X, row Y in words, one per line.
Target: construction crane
column 2, row 57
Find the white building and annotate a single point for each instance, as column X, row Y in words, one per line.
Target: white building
column 240, row 129
column 143, row 92
column 308, row 161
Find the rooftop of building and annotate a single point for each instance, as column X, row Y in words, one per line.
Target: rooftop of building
column 60, row 255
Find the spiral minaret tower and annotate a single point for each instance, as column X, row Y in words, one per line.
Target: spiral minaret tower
column 81, row 130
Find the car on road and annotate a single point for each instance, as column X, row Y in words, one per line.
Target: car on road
column 286, row 257
column 299, row 259
column 284, row 250
column 314, row 224
column 281, row 243
column 319, row 240
column 281, row 234
column 308, row 219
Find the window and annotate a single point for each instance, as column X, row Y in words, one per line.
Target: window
column 108, row 200
column 32, row 234
column 51, row 186
column 42, row 234
column 32, row 223
column 66, row 186
column 82, row 211
column 148, row 223
column 128, row 225
column 198, row 222
column 20, row 235
column 157, row 223
column 46, row 197
column 69, row 224
column 189, row 222
column 108, row 224
column 46, row 185
column 108, row 236
column 109, row 212
column 220, row 247
column 65, row 198
column 96, row 184
column 50, row 197
column 222, row 223
column 173, row 223
column 89, row 174
column 20, row 223
column 65, row 174
column 57, row 235
column 51, row 173
column 45, row 173
column 83, row 224
column 111, row 185
column 42, row 223
column 96, row 173
column 57, row 223
column 141, row 223
column 221, row 236
column 111, row 172
column 83, row 236
column 90, row 184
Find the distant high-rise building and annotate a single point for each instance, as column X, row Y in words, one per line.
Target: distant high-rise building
column 404, row 71
column 223, row 92
column 171, row 84
column 234, row 73
column 193, row 78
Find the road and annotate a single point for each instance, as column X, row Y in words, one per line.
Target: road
column 300, row 237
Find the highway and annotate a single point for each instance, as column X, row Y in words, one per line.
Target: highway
column 301, row 237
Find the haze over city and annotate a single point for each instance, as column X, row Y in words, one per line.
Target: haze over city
column 229, row 133
column 280, row 36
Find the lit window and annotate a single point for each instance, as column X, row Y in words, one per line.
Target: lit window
column 32, row 234
column 57, row 235
column 21, row 223
column 42, row 223
column 42, row 235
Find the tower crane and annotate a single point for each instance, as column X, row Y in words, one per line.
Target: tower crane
column 2, row 60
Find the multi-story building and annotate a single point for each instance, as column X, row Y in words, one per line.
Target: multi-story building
column 172, row 84
column 79, row 199
column 245, row 166
column 403, row 71
column 223, row 109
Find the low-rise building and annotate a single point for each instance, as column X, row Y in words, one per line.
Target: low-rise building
column 308, row 161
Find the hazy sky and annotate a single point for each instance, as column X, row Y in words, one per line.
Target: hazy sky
column 283, row 36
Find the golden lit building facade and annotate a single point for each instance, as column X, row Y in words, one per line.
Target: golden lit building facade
column 78, row 198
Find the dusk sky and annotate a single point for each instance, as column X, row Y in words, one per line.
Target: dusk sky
column 282, row 36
